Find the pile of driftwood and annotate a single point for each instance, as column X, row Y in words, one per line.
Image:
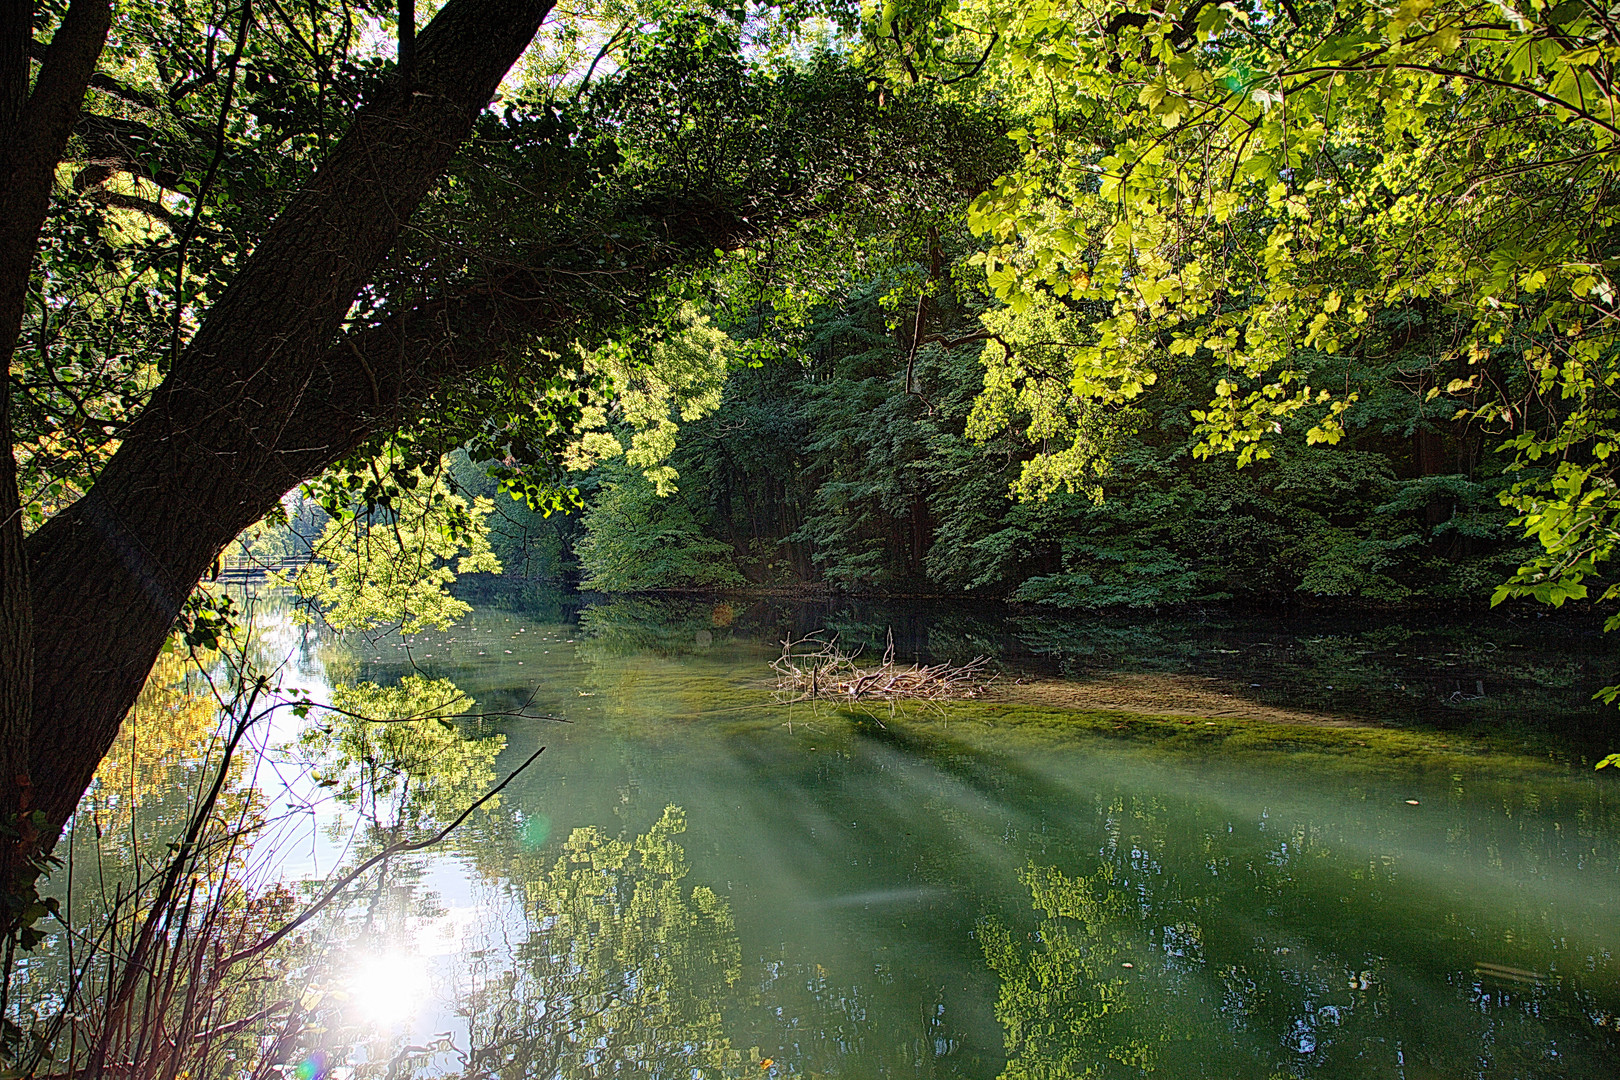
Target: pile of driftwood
column 814, row 669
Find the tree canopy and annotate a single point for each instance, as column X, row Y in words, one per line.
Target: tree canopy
column 1281, row 194
column 277, row 251
column 1288, row 226
column 883, row 294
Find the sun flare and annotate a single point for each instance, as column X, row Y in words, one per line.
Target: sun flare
column 389, row 989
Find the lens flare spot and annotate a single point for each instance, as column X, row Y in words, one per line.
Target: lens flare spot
column 389, row 989
column 536, row 831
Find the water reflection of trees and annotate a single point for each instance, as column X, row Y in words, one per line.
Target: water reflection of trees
column 622, row 968
column 1119, row 977
column 1266, row 955
column 396, row 754
column 1073, row 1003
column 636, row 627
column 1499, row 672
column 625, row 969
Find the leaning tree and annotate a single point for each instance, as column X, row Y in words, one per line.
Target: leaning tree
column 337, row 251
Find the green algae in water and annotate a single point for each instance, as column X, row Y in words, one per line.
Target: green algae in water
column 960, row 894
column 1001, row 890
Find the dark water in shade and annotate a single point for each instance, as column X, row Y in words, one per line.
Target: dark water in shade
column 985, row 894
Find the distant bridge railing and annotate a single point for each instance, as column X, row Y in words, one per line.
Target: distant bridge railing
column 238, row 568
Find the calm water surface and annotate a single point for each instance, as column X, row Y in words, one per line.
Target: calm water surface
column 692, row 881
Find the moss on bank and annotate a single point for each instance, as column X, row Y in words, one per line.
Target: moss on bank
column 1013, row 728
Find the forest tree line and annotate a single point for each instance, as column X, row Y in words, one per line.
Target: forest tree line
column 812, row 465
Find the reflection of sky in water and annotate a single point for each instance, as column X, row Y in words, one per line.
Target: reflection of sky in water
column 1252, row 917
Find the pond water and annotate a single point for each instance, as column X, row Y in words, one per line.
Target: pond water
column 693, row 881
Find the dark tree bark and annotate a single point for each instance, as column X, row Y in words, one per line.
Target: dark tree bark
column 16, row 613
column 34, row 129
column 257, row 402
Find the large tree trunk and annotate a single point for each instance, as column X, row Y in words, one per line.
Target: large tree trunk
column 34, row 128
column 257, row 402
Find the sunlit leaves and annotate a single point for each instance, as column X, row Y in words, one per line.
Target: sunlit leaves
column 394, row 565
column 1229, row 184
column 677, row 379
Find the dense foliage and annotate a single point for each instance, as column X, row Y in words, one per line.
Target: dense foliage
column 1362, row 253
column 1286, row 197
column 818, row 466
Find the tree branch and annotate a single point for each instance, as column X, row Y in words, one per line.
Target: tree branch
column 401, row 848
column 113, row 144
column 102, row 81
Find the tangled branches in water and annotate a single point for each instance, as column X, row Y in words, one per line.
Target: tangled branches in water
column 814, row 669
